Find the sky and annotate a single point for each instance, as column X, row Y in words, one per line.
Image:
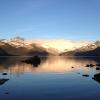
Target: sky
column 50, row 19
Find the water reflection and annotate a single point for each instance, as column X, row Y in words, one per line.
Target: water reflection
column 53, row 78
column 45, row 64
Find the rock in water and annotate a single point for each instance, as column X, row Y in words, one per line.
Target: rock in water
column 33, row 60
column 85, row 75
column 4, row 73
column 97, row 77
column 2, row 81
column 97, row 68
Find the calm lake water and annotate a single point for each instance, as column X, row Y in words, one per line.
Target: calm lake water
column 55, row 78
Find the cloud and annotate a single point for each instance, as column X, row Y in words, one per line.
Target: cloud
column 60, row 44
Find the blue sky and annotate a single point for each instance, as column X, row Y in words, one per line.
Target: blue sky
column 50, row 19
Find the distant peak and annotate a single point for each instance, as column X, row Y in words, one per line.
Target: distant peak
column 17, row 38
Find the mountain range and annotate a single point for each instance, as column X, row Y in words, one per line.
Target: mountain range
column 21, row 47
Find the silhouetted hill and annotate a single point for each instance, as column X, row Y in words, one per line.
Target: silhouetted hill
column 11, row 50
column 89, row 50
column 95, row 52
column 3, row 53
column 24, row 50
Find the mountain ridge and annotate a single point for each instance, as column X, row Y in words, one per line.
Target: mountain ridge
column 89, row 50
column 19, row 46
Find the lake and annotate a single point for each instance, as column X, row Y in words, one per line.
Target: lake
column 54, row 78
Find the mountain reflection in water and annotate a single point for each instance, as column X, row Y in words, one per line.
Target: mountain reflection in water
column 53, row 78
column 48, row 64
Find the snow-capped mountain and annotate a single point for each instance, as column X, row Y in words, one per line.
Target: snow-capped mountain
column 92, row 49
column 20, row 46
